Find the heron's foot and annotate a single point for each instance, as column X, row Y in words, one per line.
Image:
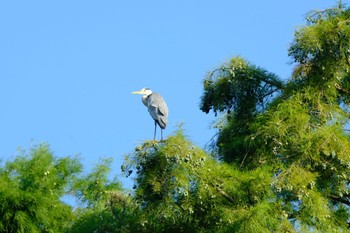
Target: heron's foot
column 150, row 142
column 154, row 142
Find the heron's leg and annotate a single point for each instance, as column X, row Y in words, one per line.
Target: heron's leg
column 155, row 129
column 161, row 134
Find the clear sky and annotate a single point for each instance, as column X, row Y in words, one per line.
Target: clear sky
column 67, row 68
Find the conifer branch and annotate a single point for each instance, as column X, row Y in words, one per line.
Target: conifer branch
column 223, row 193
column 339, row 199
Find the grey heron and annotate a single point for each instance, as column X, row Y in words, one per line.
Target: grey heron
column 156, row 107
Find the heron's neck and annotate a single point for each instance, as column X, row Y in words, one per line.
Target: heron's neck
column 145, row 100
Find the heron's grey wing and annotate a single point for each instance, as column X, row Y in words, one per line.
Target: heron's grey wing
column 158, row 109
column 157, row 101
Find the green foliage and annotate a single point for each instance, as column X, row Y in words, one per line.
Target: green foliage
column 104, row 207
column 241, row 91
column 239, row 87
column 30, row 191
column 33, row 185
column 180, row 188
column 118, row 213
column 301, row 133
column 95, row 187
column 322, row 51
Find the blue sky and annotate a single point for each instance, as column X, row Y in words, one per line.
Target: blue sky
column 68, row 67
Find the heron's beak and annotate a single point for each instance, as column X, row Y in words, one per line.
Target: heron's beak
column 138, row 92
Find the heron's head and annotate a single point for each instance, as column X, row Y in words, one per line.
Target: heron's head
column 144, row 91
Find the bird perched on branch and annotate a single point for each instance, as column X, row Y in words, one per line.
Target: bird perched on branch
column 156, row 107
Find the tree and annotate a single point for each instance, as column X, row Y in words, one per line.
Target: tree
column 104, row 206
column 300, row 131
column 33, row 185
column 30, row 192
column 180, row 188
